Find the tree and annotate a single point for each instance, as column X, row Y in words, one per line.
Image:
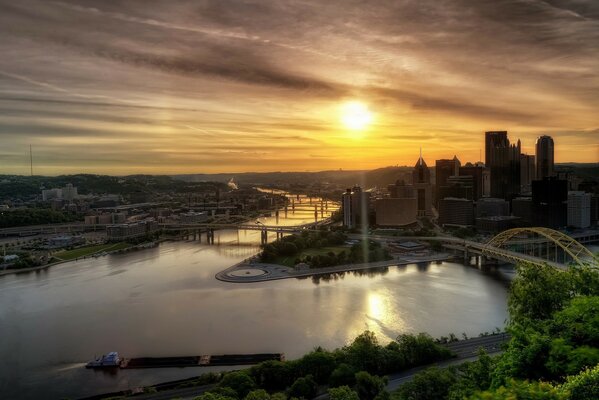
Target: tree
column 515, row 390
column 344, row 374
column 212, row 396
column 364, row 353
column 273, row 375
column 537, row 292
column 421, row 349
column 343, row 393
column 369, row 386
column 584, row 386
column 304, row 387
column 259, row 394
column 319, row 363
column 431, row 384
column 239, row 381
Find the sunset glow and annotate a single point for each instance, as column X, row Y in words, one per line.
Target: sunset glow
column 355, row 116
column 275, row 86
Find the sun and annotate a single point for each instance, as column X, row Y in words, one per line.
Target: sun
column 356, row 115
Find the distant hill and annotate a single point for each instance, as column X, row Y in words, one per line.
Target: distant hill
column 376, row 177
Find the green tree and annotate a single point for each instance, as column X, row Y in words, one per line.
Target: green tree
column 344, row 374
column 516, row 390
column 273, row 375
column 537, row 292
column 342, row 393
column 584, row 386
column 421, row 349
column 303, row 388
column 430, row 384
column 369, row 386
column 364, row 353
column 239, row 381
column 259, row 394
column 319, row 363
column 213, row 396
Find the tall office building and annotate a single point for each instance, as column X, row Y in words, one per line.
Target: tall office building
column 528, row 172
column 443, row 170
column 421, row 178
column 494, row 139
column 347, row 209
column 545, row 163
column 503, row 160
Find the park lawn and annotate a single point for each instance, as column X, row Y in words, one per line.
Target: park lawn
column 290, row 261
column 88, row 250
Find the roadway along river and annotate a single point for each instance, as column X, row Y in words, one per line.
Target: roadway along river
column 165, row 301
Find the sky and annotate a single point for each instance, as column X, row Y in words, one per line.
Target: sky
column 125, row 87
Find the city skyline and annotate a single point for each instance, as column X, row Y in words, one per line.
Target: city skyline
column 236, row 87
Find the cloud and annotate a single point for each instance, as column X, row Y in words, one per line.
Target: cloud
column 266, row 77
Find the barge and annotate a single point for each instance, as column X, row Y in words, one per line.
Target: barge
column 112, row 360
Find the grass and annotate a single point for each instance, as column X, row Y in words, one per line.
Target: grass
column 88, row 250
column 290, row 261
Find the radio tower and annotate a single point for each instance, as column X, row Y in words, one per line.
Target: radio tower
column 31, row 160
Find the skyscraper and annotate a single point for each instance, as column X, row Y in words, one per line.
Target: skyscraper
column 527, row 172
column 421, row 178
column 503, row 160
column 545, row 163
column 494, row 139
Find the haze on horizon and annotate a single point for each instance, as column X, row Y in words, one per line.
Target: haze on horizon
column 124, row 87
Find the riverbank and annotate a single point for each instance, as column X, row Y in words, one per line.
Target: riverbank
column 101, row 250
column 249, row 271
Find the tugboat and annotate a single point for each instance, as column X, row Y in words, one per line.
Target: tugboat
column 110, row 360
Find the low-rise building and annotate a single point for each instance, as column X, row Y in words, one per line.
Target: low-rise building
column 396, row 211
column 193, row 217
column 492, row 207
column 119, row 232
column 496, row 224
column 456, row 212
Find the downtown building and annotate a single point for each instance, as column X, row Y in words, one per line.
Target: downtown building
column 579, row 209
column 421, row 180
column 399, row 209
column 545, row 157
column 503, row 161
column 355, row 206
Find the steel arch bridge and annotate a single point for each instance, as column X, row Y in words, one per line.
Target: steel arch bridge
column 578, row 252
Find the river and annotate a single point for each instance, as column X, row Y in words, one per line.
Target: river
column 165, row 301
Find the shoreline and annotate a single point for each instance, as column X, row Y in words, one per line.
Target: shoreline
column 270, row 272
column 7, row 272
